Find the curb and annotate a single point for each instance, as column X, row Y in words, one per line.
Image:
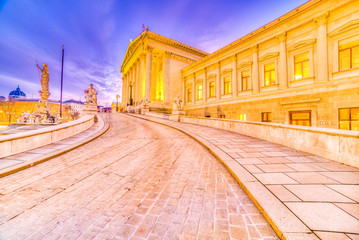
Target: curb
column 248, row 183
column 19, row 167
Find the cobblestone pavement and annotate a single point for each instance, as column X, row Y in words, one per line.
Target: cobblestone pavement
column 139, row 180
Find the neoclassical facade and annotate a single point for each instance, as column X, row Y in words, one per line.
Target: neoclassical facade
column 301, row 69
column 151, row 70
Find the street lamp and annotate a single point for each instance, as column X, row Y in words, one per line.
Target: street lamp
column 117, row 96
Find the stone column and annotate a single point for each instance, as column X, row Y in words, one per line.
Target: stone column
column 282, row 68
column 123, row 96
column 142, row 79
column 194, row 89
column 167, row 87
column 138, row 82
column 125, row 90
column 184, row 90
column 204, row 86
column 234, row 77
column 322, row 47
column 148, row 74
column 218, row 81
column 255, row 69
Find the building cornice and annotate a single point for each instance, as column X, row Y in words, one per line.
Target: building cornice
column 255, row 33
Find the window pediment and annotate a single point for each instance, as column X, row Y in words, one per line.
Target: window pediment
column 227, row 70
column 268, row 56
column 245, row 64
column 302, row 43
column 345, row 27
column 211, row 76
column 199, row 81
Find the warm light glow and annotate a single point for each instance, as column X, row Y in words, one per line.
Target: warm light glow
column 227, row 85
column 349, row 55
column 269, row 74
column 301, row 66
column 199, row 92
column 242, row 117
column 211, row 89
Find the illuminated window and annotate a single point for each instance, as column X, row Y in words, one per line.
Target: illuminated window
column 349, row 119
column 211, row 89
column 199, row 92
column 301, row 66
column 302, row 118
column 242, row 117
column 349, row 55
column 266, row 117
column 269, row 74
column 227, row 85
column 189, row 95
column 245, row 80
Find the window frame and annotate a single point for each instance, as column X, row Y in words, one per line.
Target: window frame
column 210, row 87
column 350, row 60
column 349, row 120
column 271, row 83
column 227, row 85
column 300, row 111
column 302, row 66
column 189, row 94
column 248, row 80
column 267, row 114
column 199, row 90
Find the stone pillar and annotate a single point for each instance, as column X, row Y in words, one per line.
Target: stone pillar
column 167, row 87
column 255, row 70
column 125, row 90
column 184, row 90
column 282, row 68
column 204, row 85
column 138, row 82
column 234, row 77
column 148, row 74
column 194, row 94
column 123, row 96
column 218, row 81
column 322, row 47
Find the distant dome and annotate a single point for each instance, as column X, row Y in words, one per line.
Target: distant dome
column 17, row 93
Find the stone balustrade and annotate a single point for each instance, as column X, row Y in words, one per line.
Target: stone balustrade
column 338, row 145
column 21, row 142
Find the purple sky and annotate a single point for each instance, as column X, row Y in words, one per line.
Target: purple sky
column 96, row 34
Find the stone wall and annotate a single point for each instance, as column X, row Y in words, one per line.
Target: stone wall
column 338, row 145
column 21, row 142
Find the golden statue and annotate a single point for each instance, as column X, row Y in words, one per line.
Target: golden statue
column 44, row 78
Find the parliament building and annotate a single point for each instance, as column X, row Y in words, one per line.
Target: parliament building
column 300, row 69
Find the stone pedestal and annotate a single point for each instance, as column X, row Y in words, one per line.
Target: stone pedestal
column 90, row 110
column 144, row 109
column 177, row 114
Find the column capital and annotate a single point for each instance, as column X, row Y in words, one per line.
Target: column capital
column 282, row 37
column 168, row 54
column 322, row 19
column 148, row 49
column 254, row 48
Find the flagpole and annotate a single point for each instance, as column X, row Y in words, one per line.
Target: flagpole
column 62, row 75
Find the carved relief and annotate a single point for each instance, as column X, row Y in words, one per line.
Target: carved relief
column 245, row 64
column 268, row 56
column 254, row 48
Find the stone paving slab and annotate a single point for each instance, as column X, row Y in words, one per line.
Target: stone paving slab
column 302, row 196
column 140, row 180
column 27, row 159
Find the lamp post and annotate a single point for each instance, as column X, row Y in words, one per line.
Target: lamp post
column 117, row 96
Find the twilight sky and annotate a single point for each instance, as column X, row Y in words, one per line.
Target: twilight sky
column 96, row 35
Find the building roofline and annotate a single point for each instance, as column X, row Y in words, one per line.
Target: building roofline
column 151, row 35
column 254, row 33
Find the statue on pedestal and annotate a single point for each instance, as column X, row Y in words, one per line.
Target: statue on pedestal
column 91, row 95
column 90, row 106
column 44, row 78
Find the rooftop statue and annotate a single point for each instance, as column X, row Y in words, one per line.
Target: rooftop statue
column 91, row 95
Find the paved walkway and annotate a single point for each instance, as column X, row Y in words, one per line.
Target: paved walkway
column 27, row 159
column 139, row 180
column 299, row 193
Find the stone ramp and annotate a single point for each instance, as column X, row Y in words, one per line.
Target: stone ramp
column 17, row 162
column 302, row 196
